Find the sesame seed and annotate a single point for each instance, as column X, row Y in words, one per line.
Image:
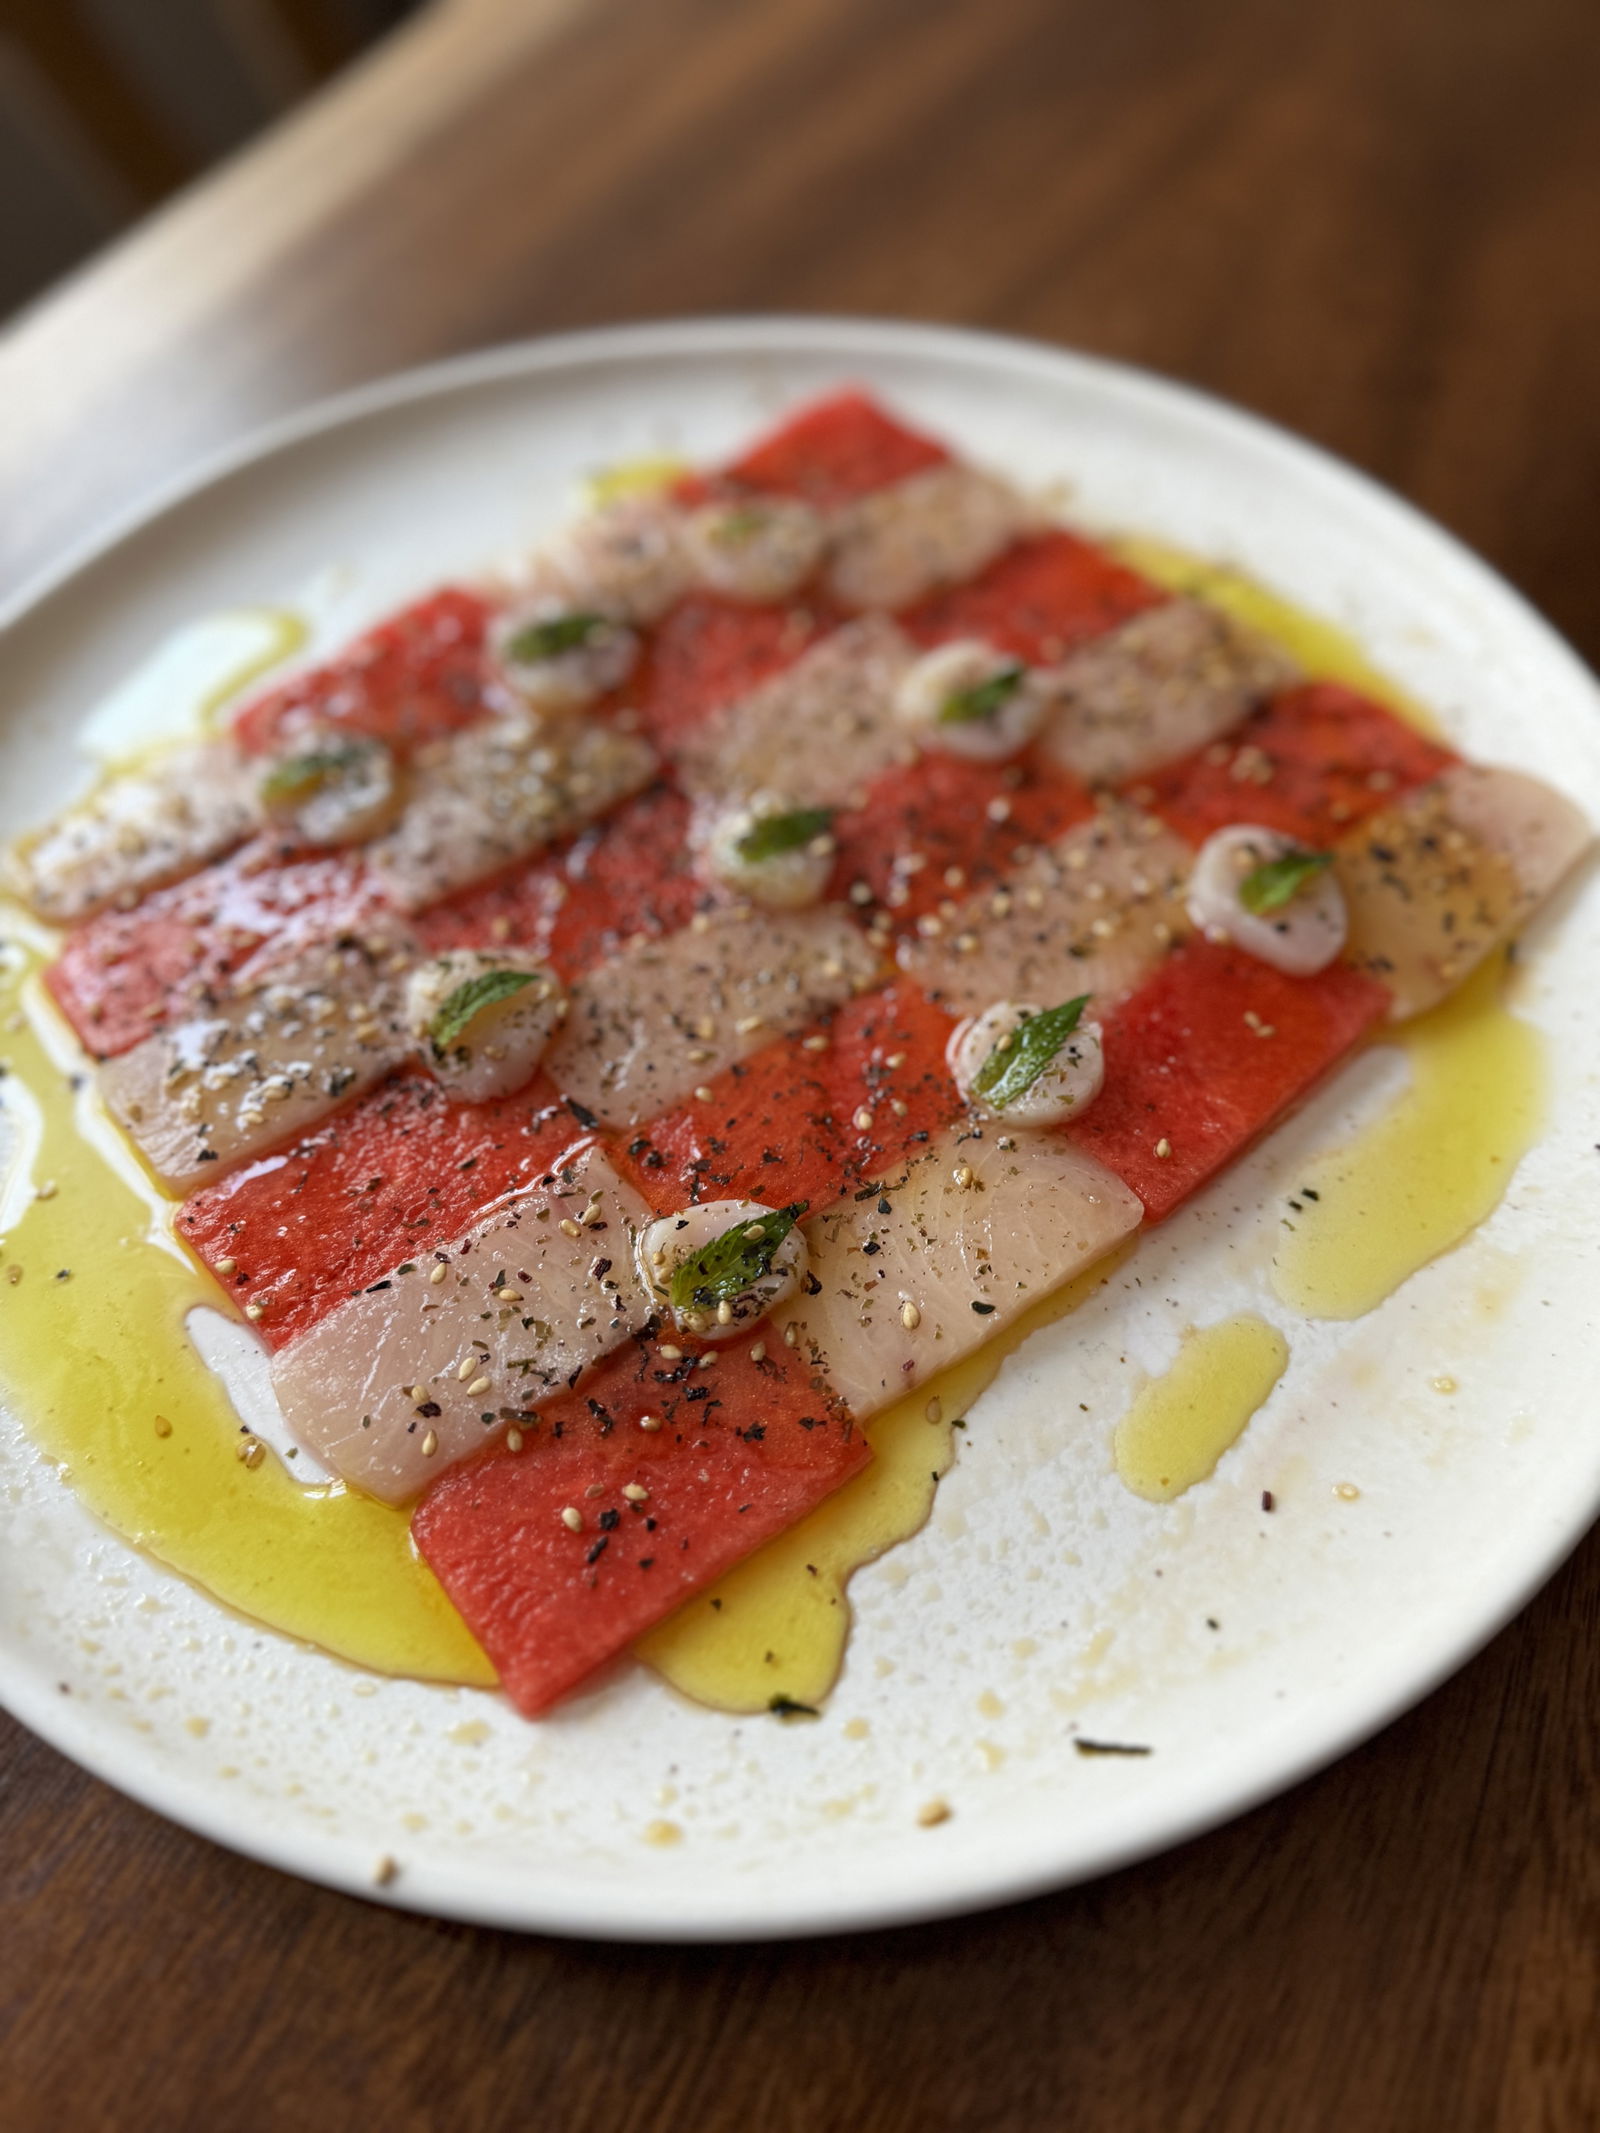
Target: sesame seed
column 813, row 1044
column 250, row 1452
column 668, row 1353
column 254, row 1311
column 48, row 1190
column 758, row 1353
column 438, row 1274
column 226, row 1266
column 862, row 1119
column 706, row 1360
column 962, row 1175
column 572, row 1518
column 419, row 1393
column 569, row 1228
column 860, row 892
column 933, row 1814
column 955, row 877
column 747, row 1023
column 163, row 1426
column 650, row 1423
column 702, row 1095
column 634, row 1493
column 1346, row 1491
column 934, row 1409
column 930, row 927
column 897, row 1107
column 895, row 1059
column 513, row 1439
column 724, row 1313
column 1163, row 1147
column 966, row 943
column 464, row 1370
column 910, row 1316
column 791, row 1336
column 478, row 1385
column 699, row 1055
column 506, row 1295
column 430, row 1444
column 998, row 810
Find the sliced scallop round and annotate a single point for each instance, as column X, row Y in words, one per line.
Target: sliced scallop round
column 777, row 854
column 1270, row 896
column 721, row 1266
column 558, row 652
column 971, row 699
column 482, row 1021
column 333, row 790
column 1044, row 1084
column 759, row 548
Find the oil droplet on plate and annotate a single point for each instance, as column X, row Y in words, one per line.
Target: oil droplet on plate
column 1182, row 1422
column 1430, row 1168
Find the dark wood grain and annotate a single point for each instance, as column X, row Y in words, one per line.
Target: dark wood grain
column 1374, row 222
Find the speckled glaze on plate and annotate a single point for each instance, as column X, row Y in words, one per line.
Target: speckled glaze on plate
column 1043, row 1603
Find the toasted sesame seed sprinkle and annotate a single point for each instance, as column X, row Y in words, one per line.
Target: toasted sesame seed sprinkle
column 163, row 1426
column 962, row 1175
column 668, row 1353
column 813, row 1044
column 254, row 1311
column 758, row 1353
column 572, row 1518
column 478, row 1385
column 724, row 1313
column 438, row 1274
column 464, row 1370
column 702, row 1095
column 650, row 1423
column 935, row 1812
column 998, row 810
column 569, row 1228
column 862, row 1119
column 430, row 1444
column 226, row 1267
column 1163, row 1147
column 791, row 1336
column 250, row 1452
column 513, row 1439
column 419, row 1393
column 910, row 1316
column 934, row 1409
column 634, row 1493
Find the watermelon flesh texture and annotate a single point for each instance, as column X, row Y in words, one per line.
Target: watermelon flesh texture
column 1207, row 1056
column 745, row 1450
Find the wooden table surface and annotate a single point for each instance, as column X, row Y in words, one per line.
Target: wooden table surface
column 1375, row 221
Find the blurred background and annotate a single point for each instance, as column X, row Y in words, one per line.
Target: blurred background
column 107, row 106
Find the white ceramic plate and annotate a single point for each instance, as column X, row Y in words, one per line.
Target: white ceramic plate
column 1042, row 1599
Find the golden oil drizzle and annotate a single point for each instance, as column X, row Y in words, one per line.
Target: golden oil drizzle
column 1426, row 1172
column 777, row 1625
column 1182, row 1422
column 1322, row 649
column 94, row 1292
column 179, row 692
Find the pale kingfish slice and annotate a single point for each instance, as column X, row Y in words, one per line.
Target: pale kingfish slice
column 525, row 1302
column 140, row 829
column 1094, row 912
column 819, row 732
column 1161, row 685
column 982, row 1224
column 1435, row 882
column 646, row 1029
column 264, row 1062
column 499, row 792
column 935, row 528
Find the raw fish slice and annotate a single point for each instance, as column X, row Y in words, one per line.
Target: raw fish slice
column 899, row 544
column 383, row 1179
column 1457, row 867
column 1094, row 913
column 665, row 1015
column 141, row 829
column 1310, row 762
column 497, row 793
column 980, row 1226
column 265, row 1063
column 818, row 732
column 390, row 1388
column 560, row 1554
column 1045, row 594
column 1208, row 1056
column 1157, row 688
column 419, row 675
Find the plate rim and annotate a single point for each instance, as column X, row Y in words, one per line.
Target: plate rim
column 964, row 1888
